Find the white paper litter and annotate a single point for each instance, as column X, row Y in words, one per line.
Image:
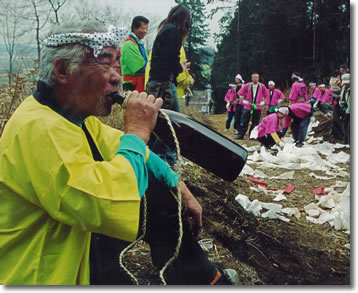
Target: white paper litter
column 280, row 197
column 273, row 210
column 248, row 170
column 286, row 175
column 254, row 132
column 292, row 212
column 260, row 174
column 341, row 157
column 315, row 155
column 321, row 177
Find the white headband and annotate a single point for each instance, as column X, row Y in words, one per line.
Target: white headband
column 96, row 41
column 271, row 82
column 296, row 76
column 322, row 85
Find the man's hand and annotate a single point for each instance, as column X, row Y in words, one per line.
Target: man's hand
column 192, row 210
column 141, row 114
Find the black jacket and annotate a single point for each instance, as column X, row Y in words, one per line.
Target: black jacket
column 165, row 63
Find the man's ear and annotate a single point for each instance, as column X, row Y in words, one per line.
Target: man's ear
column 60, row 70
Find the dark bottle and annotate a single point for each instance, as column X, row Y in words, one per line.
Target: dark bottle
column 200, row 144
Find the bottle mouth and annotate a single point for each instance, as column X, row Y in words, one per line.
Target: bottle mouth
column 117, row 97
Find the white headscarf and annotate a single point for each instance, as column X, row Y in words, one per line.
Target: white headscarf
column 96, row 41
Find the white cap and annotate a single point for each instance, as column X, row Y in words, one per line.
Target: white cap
column 312, row 83
column 238, row 76
column 271, row 82
column 346, row 78
column 282, row 110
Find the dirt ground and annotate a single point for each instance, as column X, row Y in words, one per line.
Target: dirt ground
column 263, row 251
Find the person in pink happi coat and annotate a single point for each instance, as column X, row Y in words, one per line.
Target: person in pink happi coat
column 269, row 130
column 231, row 100
column 273, row 98
column 298, row 93
column 315, row 92
column 324, row 100
column 253, row 96
column 298, row 117
column 234, row 104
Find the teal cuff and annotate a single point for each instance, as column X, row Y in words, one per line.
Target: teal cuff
column 161, row 171
column 134, row 150
column 133, row 143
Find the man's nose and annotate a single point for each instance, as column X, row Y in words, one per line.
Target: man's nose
column 115, row 76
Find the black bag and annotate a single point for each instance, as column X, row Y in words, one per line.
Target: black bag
column 162, row 90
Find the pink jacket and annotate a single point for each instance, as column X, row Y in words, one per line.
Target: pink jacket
column 315, row 94
column 261, row 94
column 301, row 110
column 326, row 96
column 231, row 97
column 298, row 93
column 270, row 124
column 276, row 96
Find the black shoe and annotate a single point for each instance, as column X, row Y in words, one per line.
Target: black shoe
column 228, row 277
column 299, row 144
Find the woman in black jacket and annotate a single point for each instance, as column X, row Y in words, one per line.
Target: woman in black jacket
column 165, row 65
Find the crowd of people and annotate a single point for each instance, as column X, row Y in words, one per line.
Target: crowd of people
column 72, row 188
column 245, row 101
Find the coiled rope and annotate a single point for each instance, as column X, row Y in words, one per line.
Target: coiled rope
column 178, row 198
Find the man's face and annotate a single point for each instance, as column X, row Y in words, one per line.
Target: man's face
column 255, row 78
column 312, row 87
column 280, row 115
column 271, row 87
column 343, row 70
column 322, row 88
column 141, row 31
column 238, row 81
column 91, row 85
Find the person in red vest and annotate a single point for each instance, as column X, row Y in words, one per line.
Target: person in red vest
column 134, row 56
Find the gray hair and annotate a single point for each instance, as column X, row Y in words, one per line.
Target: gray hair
column 73, row 54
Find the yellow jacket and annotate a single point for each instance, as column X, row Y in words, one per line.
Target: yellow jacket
column 53, row 195
column 184, row 79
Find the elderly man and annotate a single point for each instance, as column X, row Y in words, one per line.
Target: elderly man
column 253, row 95
column 134, row 57
column 65, row 175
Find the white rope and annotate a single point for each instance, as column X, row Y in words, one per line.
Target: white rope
column 178, row 198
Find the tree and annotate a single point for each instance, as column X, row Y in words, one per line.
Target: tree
column 278, row 37
column 10, row 31
column 56, row 5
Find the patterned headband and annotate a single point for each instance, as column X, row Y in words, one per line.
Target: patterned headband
column 96, row 41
